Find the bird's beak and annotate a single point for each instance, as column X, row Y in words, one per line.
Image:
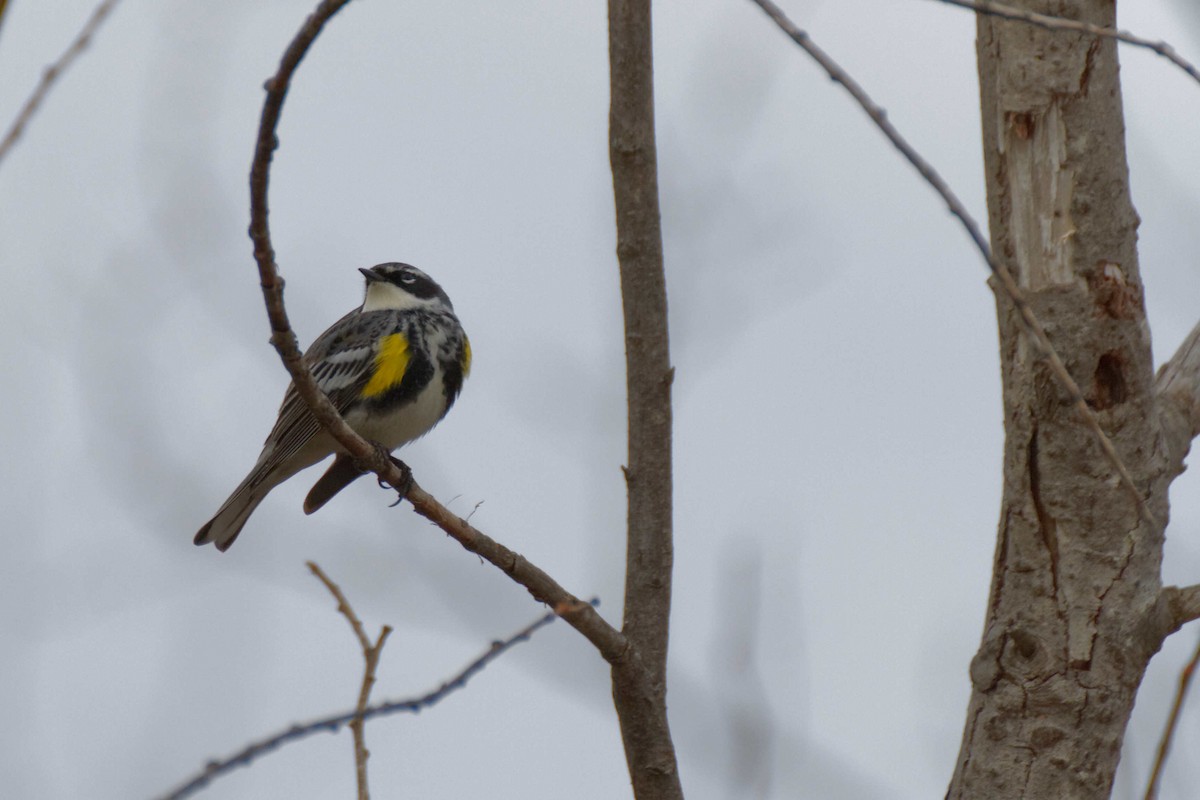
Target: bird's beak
column 370, row 274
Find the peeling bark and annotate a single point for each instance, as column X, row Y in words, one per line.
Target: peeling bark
column 1074, row 614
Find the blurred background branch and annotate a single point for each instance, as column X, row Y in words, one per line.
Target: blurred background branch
column 1168, row 734
column 52, row 72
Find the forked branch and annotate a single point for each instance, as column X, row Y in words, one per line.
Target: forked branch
column 371, row 652
column 252, row 752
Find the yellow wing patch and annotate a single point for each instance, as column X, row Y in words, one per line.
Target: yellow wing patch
column 466, row 356
column 391, row 362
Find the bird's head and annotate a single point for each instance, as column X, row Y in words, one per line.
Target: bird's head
column 399, row 286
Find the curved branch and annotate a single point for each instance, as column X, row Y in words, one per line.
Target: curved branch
column 579, row 615
column 1008, row 284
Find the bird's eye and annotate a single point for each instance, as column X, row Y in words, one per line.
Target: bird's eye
column 408, row 277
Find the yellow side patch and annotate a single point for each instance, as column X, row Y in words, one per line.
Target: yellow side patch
column 466, row 357
column 391, row 362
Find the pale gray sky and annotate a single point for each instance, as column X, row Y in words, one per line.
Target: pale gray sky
column 838, row 425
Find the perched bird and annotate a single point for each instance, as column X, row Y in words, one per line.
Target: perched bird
column 392, row 368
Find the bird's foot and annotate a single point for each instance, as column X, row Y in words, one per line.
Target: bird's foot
column 406, row 479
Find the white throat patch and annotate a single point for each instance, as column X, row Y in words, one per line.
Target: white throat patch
column 382, row 295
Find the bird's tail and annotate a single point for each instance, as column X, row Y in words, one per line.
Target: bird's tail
column 225, row 526
column 340, row 474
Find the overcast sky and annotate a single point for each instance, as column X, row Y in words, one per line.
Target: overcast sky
column 838, row 425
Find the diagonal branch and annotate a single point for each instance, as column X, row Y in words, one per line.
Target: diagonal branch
column 1063, row 24
column 1168, row 735
column 1008, row 284
column 247, row 755
column 583, row 617
column 1178, row 389
column 53, row 73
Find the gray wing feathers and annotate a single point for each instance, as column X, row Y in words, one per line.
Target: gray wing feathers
column 341, row 376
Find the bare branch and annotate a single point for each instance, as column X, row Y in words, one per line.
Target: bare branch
column 641, row 704
column 247, row 755
column 52, row 73
column 371, row 654
column 1182, row 606
column 1029, row 321
column 343, row 605
column 581, row 616
column 1164, row 745
column 1063, row 24
column 1178, row 388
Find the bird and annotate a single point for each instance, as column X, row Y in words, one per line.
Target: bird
column 392, row 367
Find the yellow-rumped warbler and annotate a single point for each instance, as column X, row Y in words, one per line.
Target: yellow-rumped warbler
column 392, row 367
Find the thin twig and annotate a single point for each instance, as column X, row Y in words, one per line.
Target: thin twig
column 371, row 658
column 1164, row 745
column 344, row 608
column 1063, row 24
column 1029, row 321
column 52, row 73
column 581, row 616
column 216, row 768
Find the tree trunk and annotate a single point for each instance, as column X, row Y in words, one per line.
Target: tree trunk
column 1070, row 623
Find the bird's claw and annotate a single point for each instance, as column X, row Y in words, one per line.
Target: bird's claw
column 406, row 478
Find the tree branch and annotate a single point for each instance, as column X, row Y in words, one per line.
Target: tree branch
column 1164, row 745
column 641, row 703
column 245, row 756
column 1004, row 278
column 1177, row 387
column 52, row 73
column 371, row 653
column 1182, row 606
column 1063, row 24
column 581, row 616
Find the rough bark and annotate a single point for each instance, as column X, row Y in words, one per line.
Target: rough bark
column 1074, row 612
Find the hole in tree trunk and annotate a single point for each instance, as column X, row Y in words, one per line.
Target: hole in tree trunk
column 1109, row 386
